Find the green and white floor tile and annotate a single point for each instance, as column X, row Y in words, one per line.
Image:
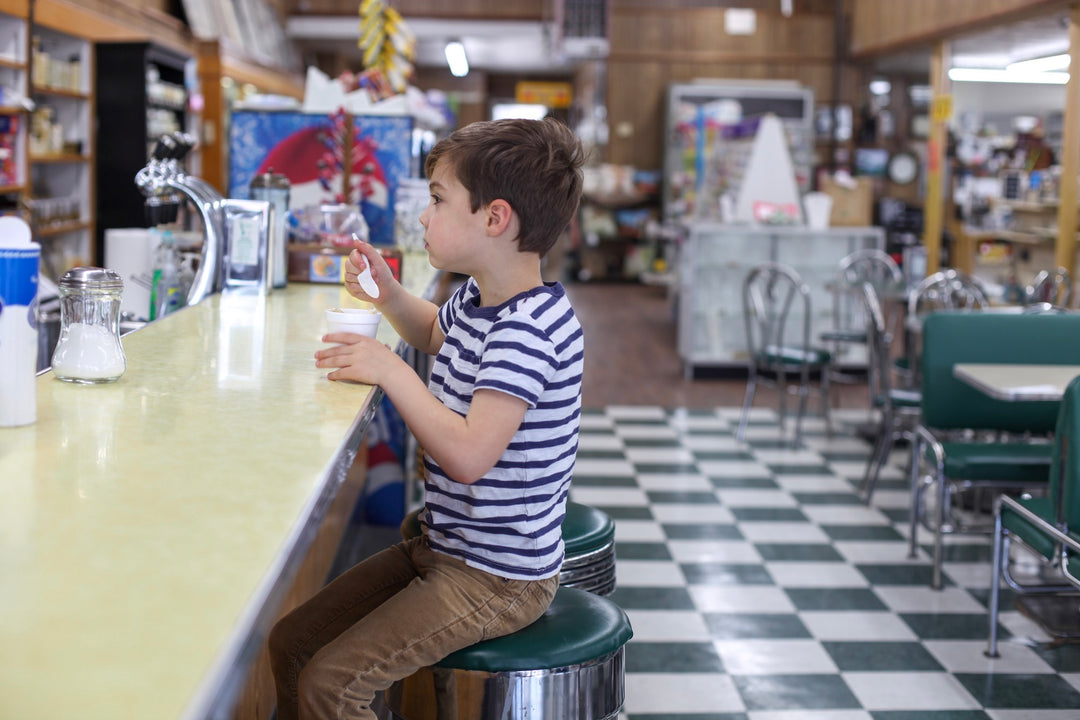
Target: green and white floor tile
column 761, row 588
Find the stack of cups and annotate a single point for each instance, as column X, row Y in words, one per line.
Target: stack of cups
column 19, row 260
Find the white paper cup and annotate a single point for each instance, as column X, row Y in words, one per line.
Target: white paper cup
column 818, row 208
column 362, row 321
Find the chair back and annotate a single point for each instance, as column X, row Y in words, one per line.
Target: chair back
column 776, row 308
column 877, row 342
column 1064, row 488
column 951, row 337
column 1050, row 288
column 946, row 290
column 868, row 265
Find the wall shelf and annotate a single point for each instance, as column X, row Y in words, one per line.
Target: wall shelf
column 59, row 158
column 60, row 92
column 53, row 230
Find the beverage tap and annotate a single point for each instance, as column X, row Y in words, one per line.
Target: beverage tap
column 164, row 183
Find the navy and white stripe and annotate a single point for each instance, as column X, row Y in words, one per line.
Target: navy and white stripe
column 509, row 522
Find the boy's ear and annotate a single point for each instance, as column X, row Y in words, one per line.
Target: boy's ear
column 499, row 216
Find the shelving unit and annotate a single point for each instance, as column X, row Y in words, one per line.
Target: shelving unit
column 141, row 92
column 1015, row 254
column 61, row 198
column 613, row 231
column 14, row 87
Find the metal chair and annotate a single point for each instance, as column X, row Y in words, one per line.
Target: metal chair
column 898, row 408
column 1055, row 289
column 777, row 311
column 1040, row 525
column 947, row 289
column 868, row 265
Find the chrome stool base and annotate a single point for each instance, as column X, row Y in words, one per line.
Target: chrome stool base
column 590, row 691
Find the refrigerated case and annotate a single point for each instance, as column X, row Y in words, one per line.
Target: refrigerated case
column 710, row 133
column 142, row 95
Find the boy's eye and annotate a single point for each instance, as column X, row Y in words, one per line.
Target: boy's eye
column 435, row 199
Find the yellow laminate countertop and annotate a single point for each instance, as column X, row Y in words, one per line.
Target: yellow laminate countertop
column 147, row 526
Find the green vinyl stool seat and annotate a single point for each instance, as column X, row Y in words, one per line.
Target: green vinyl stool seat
column 568, row 665
column 589, row 538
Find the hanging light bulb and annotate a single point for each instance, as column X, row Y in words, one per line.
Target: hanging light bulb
column 455, row 58
column 787, row 7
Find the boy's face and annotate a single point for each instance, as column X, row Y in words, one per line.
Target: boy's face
column 453, row 232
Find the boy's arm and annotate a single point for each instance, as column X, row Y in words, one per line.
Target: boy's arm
column 465, row 447
column 415, row 319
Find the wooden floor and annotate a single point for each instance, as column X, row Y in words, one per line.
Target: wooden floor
column 631, row 357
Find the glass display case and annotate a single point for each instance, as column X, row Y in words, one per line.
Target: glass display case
column 715, row 259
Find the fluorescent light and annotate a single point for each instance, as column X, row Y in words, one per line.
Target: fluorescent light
column 1042, row 64
column 880, row 87
column 1007, row 76
column 528, row 111
column 455, row 58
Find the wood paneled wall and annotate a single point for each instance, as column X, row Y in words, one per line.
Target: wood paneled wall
column 456, row 9
column 880, row 26
column 653, row 47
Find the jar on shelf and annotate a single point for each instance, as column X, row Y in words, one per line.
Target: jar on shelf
column 88, row 350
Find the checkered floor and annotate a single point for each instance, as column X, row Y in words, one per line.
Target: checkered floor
column 761, row 588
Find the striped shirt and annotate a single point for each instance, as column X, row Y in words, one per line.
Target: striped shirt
column 509, row 522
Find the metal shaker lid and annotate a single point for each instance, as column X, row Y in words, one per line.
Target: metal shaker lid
column 91, row 278
column 270, row 179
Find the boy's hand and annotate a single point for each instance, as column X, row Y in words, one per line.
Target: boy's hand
column 357, row 357
column 364, row 255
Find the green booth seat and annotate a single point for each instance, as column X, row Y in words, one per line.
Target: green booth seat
column 969, row 440
column 1043, row 527
column 568, row 665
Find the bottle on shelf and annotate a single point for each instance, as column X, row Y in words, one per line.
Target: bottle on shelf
column 166, row 295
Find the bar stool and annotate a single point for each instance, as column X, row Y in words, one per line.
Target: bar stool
column 589, row 537
column 568, row 665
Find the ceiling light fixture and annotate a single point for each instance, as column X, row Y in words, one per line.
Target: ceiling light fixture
column 455, row 58
column 957, row 74
column 1041, row 64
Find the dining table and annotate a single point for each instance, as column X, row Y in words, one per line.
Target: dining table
column 1017, row 382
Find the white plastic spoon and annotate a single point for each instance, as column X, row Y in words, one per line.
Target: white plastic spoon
column 367, row 283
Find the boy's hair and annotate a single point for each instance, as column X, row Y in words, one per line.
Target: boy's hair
column 534, row 165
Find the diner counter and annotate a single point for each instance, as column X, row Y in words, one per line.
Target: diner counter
column 149, row 528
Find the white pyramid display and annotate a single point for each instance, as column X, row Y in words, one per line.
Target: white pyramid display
column 770, row 174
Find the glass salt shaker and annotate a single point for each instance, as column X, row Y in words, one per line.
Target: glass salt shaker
column 89, row 350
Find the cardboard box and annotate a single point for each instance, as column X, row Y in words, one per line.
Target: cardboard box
column 852, row 207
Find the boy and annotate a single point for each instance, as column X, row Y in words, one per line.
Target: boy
column 498, row 422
